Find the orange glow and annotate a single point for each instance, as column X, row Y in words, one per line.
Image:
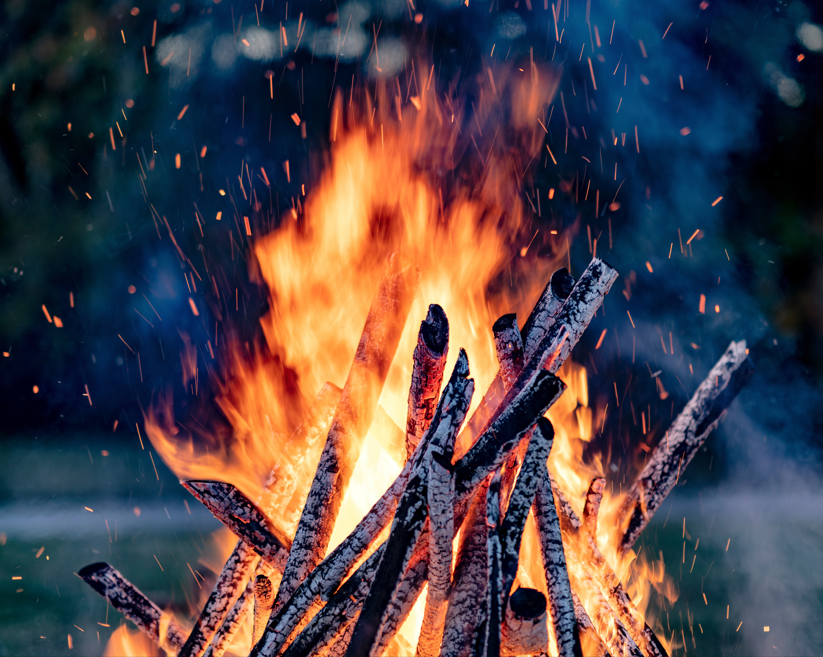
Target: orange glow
column 479, row 255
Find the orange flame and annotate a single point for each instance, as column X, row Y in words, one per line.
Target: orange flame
column 396, row 181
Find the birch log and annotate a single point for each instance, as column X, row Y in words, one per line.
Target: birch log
column 681, row 442
column 354, row 414
column 129, row 601
column 429, row 362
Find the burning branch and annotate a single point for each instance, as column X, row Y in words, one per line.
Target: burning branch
column 231, row 625
column 129, row 601
column 681, row 442
column 427, row 374
column 354, row 414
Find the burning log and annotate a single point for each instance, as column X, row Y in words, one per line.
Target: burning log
column 427, row 374
column 242, row 516
column 561, row 604
column 354, row 414
column 509, row 346
column 326, row 578
column 234, row 621
column 336, row 618
column 681, row 442
column 546, row 309
column 608, row 581
column 441, row 538
column 470, row 580
column 411, row 516
column 277, row 492
column 401, row 604
column 573, row 317
column 228, row 588
column 522, row 498
column 495, row 593
column 589, row 637
column 129, row 601
column 524, row 631
column 263, row 602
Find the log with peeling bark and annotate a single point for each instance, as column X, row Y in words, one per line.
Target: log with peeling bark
column 470, row 580
column 242, row 516
column 227, row 589
column 495, row 594
column 440, row 496
column 224, row 637
column 561, row 604
column 352, row 419
column 681, row 442
column 263, row 601
column 522, row 498
column 608, row 581
column 429, row 362
column 525, row 631
column 129, row 601
column 326, row 578
column 410, row 518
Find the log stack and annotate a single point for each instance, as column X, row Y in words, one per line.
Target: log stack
column 353, row 600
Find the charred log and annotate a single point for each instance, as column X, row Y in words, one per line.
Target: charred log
column 427, row 374
column 129, row 601
column 681, row 442
column 231, row 626
column 525, row 631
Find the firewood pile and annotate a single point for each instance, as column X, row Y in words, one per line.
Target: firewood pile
column 353, row 600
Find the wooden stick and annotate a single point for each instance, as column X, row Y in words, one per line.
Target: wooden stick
column 242, row 516
column 608, row 581
column 525, row 631
column 227, row 589
column 224, row 637
column 509, row 346
column 263, row 601
column 681, row 442
column 469, row 589
column 274, row 502
column 129, row 601
column 326, row 578
column 409, row 519
column 334, row 619
column 561, row 604
column 427, row 374
column 354, row 415
column 545, row 310
column 535, row 329
column 522, row 498
column 441, row 537
column 495, row 594
column 409, row 589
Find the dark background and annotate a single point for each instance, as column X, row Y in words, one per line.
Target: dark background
column 80, row 220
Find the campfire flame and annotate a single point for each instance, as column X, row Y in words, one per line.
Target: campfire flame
column 396, row 182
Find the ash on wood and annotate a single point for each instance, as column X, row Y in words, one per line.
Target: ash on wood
column 525, row 631
column 228, row 588
column 354, row 414
column 495, row 594
column 410, row 518
column 231, row 626
column 561, row 604
column 686, row 435
column 242, row 516
column 429, row 362
column 129, row 601
column 509, row 346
